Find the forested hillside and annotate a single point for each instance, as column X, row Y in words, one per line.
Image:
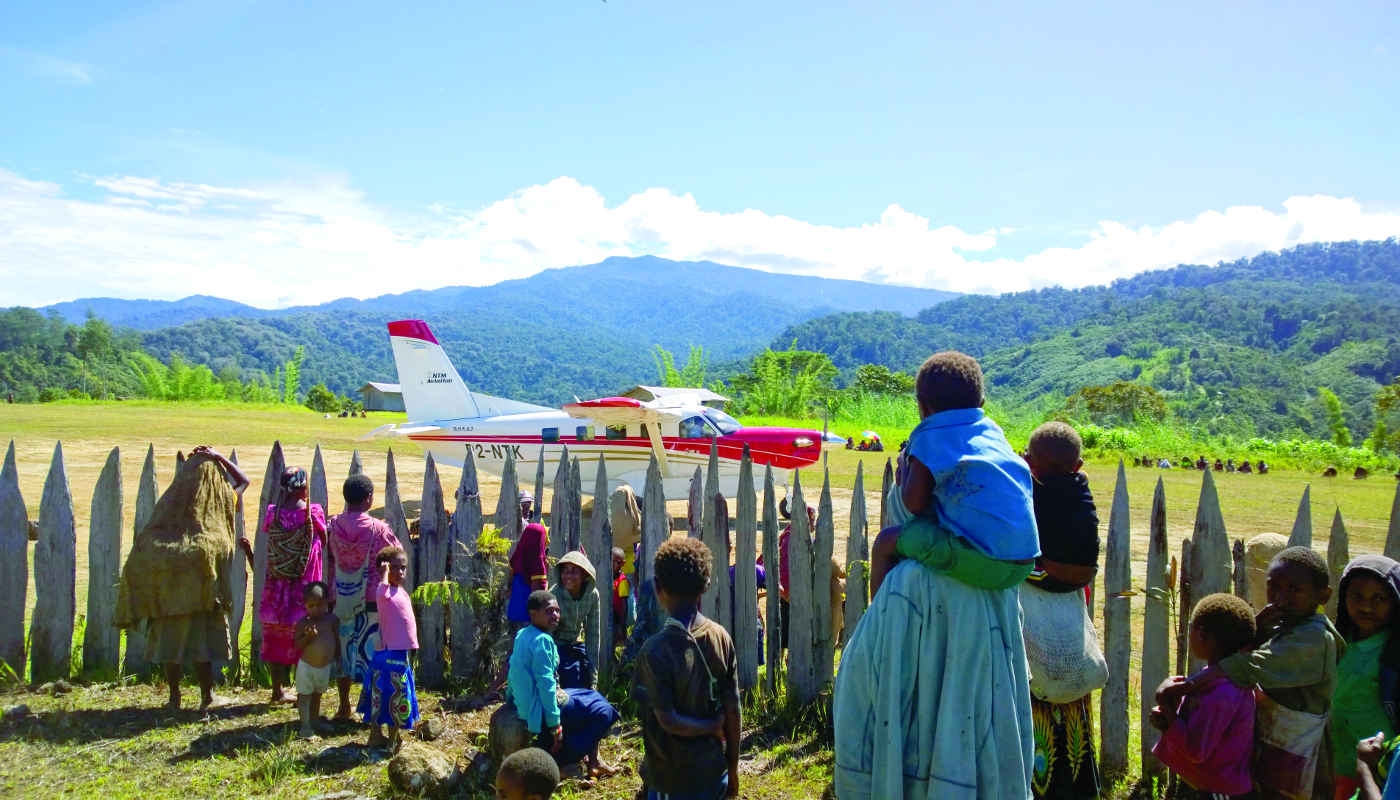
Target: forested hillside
column 1237, row 348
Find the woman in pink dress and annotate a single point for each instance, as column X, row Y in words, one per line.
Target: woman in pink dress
column 295, row 531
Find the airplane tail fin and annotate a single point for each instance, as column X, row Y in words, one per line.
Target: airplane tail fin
column 432, row 388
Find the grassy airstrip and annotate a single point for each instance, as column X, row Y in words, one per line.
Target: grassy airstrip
column 110, row 740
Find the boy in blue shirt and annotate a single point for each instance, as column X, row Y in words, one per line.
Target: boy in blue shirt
column 964, row 502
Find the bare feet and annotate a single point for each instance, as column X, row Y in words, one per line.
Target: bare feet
column 212, row 701
column 599, row 769
column 376, row 740
column 282, row 698
column 342, row 715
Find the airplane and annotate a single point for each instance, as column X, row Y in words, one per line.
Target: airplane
column 448, row 419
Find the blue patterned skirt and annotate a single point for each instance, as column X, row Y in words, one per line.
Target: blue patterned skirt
column 389, row 697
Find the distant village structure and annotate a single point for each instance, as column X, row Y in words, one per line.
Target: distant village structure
column 382, row 396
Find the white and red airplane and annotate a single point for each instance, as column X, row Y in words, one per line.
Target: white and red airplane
column 675, row 425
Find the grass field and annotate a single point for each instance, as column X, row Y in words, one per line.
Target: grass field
column 109, row 741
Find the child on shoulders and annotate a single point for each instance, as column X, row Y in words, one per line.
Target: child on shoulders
column 1066, row 518
column 1208, row 736
column 686, row 686
column 389, row 697
column 1368, row 674
column 317, row 639
column 968, row 493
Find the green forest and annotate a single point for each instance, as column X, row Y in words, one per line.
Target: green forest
column 1300, row 344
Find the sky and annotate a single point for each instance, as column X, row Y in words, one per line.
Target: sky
column 286, row 153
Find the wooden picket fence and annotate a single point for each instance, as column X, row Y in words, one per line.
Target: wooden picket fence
column 445, row 549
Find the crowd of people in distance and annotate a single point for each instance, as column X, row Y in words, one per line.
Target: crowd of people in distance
column 970, row 674
column 1259, row 467
column 866, row 443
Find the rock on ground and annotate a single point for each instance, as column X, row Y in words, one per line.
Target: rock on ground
column 508, row 733
column 422, row 770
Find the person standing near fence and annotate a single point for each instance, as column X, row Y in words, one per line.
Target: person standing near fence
column 177, row 574
column 1368, row 675
column 295, row 530
column 354, row 539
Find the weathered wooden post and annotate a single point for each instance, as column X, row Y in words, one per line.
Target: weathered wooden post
column 537, row 512
column 724, row 598
column 802, row 613
column 823, row 628
column 694, row 506
column 238, row 580
column 707, row 508
column 357, row 467
column 508, row 504
column 886, row 481
column 271, row 486
column 559, row 533
column 574, row 508
column 14, row 564
column 434, row 540
column 1185, row 601
column 1392, row 536
column 1154, row 626
column 599, row 546
column 1259, row 551
column 55, row 577
column 857, row 557
column 395, row 518
column 101, row 638
column 710, row 602
column 1302, row 523
column 1117, row 581
column 656, row 528
column 465, row 529
column 1338, row 549
column 745, row 577
column 319, row 494
column 1212, row 565
column 147, row 492
column 1241, row 574
column 772, row 609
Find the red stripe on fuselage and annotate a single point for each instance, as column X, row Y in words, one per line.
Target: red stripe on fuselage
column 731, row 450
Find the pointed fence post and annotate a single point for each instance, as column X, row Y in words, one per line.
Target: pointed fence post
column 857, row 558
column 508, row 504
column 1154, row 626
column 1241, row 575
column 599, row 545
column 276, row 463
column 1302, row 523
column 397, row 520
column 434, row 540
column 1113, row 705
column 238, row 579
column 656, row 528
column 319, row 495
column 1338, row 548
column 745, row 577
column 559, row 533
column 537, row 512
column 723, row 597
column 707, row 507
column 886, row 481
column 823, row 625
column 574, row 508
column 694, row 506
column 1185, row 601
column 1212, row 564
column 714, row 601
column 14, row 565
column 147, row 492
column 55, row 577
column 465, row 529
column 357, row 467
column 101, row 638
column 802, row 612
column 772, row 608
column 1392, row 536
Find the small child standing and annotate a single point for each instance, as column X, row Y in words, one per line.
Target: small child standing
column 1294, row 663
column 1364, row 702
column 967, row 491
column 389, row 697
column 686, row 686
column 1208, row 737
column 623, row 605
column 317, row 639
column 528, row 774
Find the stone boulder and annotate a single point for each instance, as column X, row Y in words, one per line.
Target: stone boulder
column 508, row 733
column 1258, row 552
column 421, row 770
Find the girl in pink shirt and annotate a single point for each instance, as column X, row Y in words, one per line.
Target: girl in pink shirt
column 1208, row 736
column 389, row 697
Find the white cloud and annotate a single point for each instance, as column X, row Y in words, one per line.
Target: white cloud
column 48, row 67
column 280, row 244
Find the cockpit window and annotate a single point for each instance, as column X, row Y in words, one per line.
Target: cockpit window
column 725, row 423
column 695, row 428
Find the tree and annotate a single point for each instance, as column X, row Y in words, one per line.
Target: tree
column 1120, row 403
column 880, row 379
column 319, row 398
column 691, row 375
column 786, row 382
column 293, row 375
column 1387, row 431
column 1336, row 417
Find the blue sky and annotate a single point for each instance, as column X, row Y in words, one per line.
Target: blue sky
column 161, row 147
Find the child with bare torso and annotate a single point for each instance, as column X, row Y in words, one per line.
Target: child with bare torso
column 317, row 639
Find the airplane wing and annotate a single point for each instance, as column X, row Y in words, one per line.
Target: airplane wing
column 615, row 411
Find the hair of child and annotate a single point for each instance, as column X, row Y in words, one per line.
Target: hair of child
column 1056, row 446
column 683, row 567
column 316, row 589
column 1304, row 558
column 357, row 489
column 535, row 769
column 293, row 479
column 617, row 553
column 389, row 554
column 949, row 380
column 1227, row 619
column 1379, row 568
column 539, row 599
